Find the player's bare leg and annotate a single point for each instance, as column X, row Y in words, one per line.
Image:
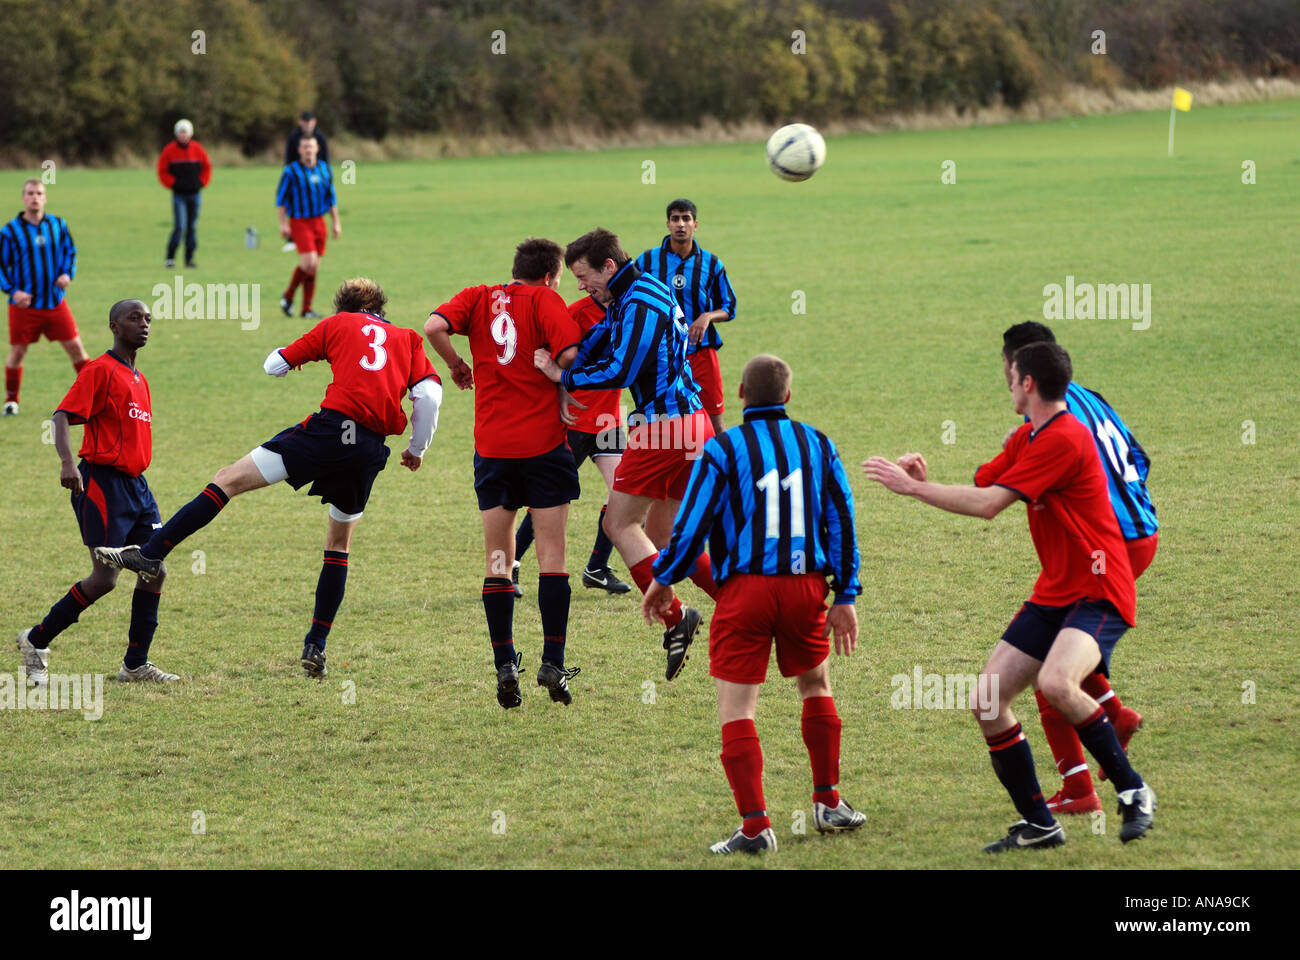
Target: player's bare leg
column 76, row 351
column 13, row 377
column 742, row 760
column 1012, row 671
column 659, row 528
column 719, row 425
column 1074, row 654
column 309, row 266
column 329, row 587
column 553, row 595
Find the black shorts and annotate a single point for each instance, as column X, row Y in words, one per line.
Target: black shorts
column 335, row 454
column 114, row 509
column 1035, row 627
column 545, row 481
column 607, row 443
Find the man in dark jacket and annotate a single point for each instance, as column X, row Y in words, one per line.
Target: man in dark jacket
column 306, row 128
column 184, row 169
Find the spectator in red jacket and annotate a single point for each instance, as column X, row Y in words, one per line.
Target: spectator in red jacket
column 184, row 169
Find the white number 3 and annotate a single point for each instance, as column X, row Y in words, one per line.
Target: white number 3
column 377, row 345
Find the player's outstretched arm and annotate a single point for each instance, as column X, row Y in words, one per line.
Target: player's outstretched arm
column 275, row 365
column 986, row 502
column 69, row 475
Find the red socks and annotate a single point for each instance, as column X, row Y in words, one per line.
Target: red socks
column 293, row 283
column 1097, row 686
column 13, row 377
column 821, row 735
column 742, row 759
column 1066, row 749
column 702, row 577
column 308, row 290
column 642, row 573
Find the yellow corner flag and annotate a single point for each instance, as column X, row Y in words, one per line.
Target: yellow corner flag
column 1182, row 99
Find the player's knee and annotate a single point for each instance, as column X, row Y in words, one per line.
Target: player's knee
column 158, row 579
column 1056, row 687
column 99, row 583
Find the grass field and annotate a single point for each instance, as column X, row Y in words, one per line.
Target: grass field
column 908, row 284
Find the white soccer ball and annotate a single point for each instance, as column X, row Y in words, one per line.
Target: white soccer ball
column 796, row 151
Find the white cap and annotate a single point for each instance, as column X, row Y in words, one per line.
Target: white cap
column 184, row 126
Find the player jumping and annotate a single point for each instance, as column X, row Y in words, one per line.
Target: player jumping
column 339, row 450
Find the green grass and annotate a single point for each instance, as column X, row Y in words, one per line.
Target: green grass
column 909, row 284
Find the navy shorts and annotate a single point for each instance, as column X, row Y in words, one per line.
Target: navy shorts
column 607, row 443
column 115, row 509
column 545, row 481
column 1035, row 627
column 335, row 454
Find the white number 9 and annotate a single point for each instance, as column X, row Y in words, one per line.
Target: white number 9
column 503, row 332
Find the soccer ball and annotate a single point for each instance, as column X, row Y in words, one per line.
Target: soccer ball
column 796, row 151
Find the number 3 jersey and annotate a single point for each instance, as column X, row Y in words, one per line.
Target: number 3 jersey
column 516, row 411
column 374, row 365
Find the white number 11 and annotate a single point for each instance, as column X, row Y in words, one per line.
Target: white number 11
column 794, row 484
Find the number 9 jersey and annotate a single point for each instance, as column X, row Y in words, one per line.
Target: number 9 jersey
column 374, row 365
column 516, row 413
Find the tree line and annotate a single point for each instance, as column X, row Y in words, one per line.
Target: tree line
column 86, row 79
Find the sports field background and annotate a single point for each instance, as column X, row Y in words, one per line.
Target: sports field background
column 909, row 284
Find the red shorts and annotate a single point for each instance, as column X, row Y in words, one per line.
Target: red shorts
column 708, row 374
column 754, row 610
column 658, row 458
column 26, row 324
column 1141, row 553
column 309, row 234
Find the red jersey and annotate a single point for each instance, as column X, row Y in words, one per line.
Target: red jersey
column 516, row 412
column 112, row 399
column 1057, row 470
column 602, row 411
column 374, row 364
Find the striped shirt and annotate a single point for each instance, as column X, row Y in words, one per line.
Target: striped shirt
column 306, row 192
column 1126, row 463
column 641, row 345
column 772, row 498
column 698, row 281
column 33, row 256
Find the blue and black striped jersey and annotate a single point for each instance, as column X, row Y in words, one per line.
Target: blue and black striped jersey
column 306, row 191
column 33, row 256
column 1126, row 463
column 772, row 498
column 641, row 345
column 698, row 281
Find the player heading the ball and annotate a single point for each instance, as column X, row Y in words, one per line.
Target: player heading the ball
column 339, row 450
